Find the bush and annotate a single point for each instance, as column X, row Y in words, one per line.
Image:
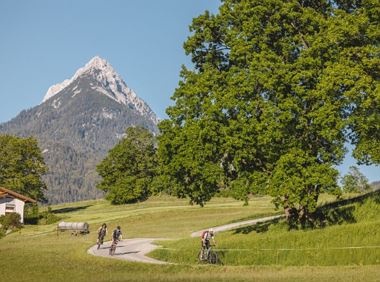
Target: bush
column 31, row 215
column 47, row 217
column 10, row 221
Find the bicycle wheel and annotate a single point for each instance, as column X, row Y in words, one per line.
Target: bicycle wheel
column 112, row 249
column 200, row 256
column 213, row 258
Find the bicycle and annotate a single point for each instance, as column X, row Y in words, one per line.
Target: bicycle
column 100, row 242
column 208, row 255
column 113, row 247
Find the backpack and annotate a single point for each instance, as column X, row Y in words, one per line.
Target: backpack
column 203, row 234
column 116, row 234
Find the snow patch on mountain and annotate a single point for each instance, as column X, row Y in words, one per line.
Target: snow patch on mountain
column 111, row 85
column 106, row 114
column 75, row 92
column 56, row 103
column 56, row 88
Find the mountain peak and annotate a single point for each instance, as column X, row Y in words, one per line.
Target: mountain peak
column 95, row 63
column 109, row 83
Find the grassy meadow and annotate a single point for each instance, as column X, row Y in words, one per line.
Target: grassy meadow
column 36, row 253
column 352, row 237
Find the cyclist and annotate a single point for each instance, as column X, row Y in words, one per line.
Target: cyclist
column 116, row 236
column 102, row 231
column 205, row 241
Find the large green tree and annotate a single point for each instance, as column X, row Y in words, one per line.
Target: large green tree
column 129, row 168
column 277, row 89
column 22, row 166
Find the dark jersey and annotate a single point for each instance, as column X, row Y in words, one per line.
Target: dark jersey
column 102, row 232
column 116, row 234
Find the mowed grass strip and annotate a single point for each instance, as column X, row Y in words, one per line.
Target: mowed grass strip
column 165, row 216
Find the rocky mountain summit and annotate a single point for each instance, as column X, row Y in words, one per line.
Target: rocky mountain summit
column 76, row 124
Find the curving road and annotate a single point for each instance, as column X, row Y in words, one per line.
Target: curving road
column 136, row 249
column 129, row 249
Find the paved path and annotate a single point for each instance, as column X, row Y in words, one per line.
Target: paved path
column 129, row 249
column 137, row 248
column 236, row 225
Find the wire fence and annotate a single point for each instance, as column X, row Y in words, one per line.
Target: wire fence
column 286, row 249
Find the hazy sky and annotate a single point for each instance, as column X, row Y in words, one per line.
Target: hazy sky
column 43, row 42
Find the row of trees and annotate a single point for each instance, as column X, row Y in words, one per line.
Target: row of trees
column 277, row 90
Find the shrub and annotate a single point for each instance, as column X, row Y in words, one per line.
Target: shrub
column 47, row 217
column 31, row 215
column 10, row 221
column 2, row 232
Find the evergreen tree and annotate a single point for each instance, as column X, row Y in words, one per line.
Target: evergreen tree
column 277, row 89
column 128, row 170
column 22, row 166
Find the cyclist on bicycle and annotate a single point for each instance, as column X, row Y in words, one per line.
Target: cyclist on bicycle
column 102, row 231
column 205, row 240
column 117, row 235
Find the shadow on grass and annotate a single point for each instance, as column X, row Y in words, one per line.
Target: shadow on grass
column 336, row 216
column 339, row 212
column 256, row 216
column 70, row 209
column 259, row 227
column 31, row 221
column 220, row 258
column 375, row 195
column 342, row 211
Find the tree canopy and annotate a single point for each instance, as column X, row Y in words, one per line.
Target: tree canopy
column 277, row 89
column 128, row 170
column 355, row 181
column 22, row 166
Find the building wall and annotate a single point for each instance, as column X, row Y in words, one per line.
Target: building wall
column 2, row 206
column 19, row 206
column 20, row 209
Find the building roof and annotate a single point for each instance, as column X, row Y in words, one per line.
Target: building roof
column 6, row 192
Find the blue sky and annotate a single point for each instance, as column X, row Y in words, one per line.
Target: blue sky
column 43, row 42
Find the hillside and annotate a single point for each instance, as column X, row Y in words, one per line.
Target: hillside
column 47, row 257
column 77, row 123
column 375, row 185
column 351, row 236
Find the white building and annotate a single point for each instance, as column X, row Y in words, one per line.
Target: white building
column 11, row 201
